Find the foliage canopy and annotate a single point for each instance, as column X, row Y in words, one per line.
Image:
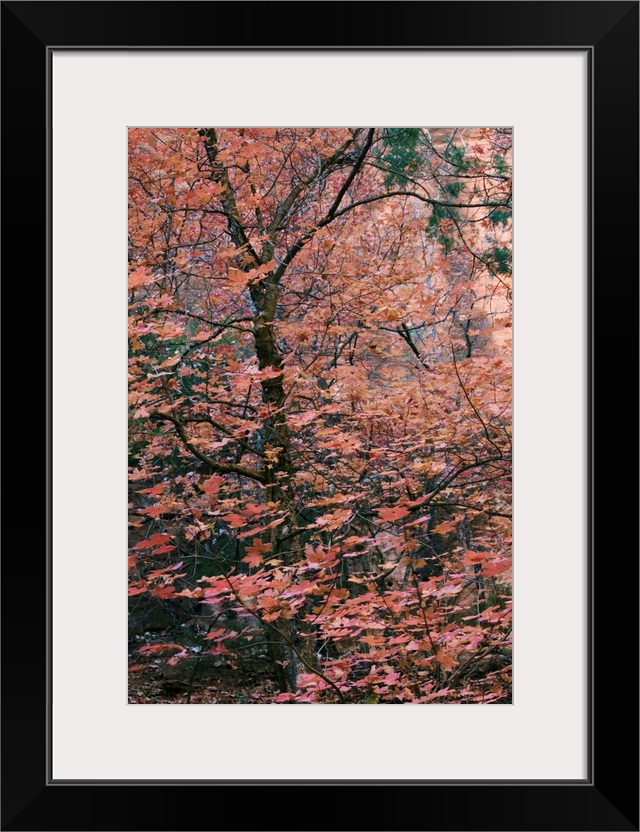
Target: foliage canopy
column 320, row 405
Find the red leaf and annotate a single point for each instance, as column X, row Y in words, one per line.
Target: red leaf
column 212, row 485
column 254, row 559
column 335, row 520
column 136, row 590
column 155, row 491
column 387, row 514
column 235, row 520
column 215, row 634
column 139, row 277
column 445, row 660
column 152, row 511
column 475, row 557
column 445, row 528
column 159, row 537
column 151, row 649
column 496, row 567
column 421, row 500
column 164, row 592
column 261, row 529
column 255, row 553
column 154, row 540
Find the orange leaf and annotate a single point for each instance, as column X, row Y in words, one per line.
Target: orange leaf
column 155, row 491
column 136, row 590
column 150, row 649
column 212, row 485
column 475, row 557
column 139, row 276
column 445, row 528
column 387, row 514
column 445, row 660
column 261, row 529
column 254, row 559
column 163, row 549
column 235, row 520
column 333, row 521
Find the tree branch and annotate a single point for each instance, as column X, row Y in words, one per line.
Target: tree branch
column 209, row 421
column 332, row 213
column 222, row 467
column 428, row 200
column 220, row 174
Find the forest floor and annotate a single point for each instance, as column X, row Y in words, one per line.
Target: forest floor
column 198, row 679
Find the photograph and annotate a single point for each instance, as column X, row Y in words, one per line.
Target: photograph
column 349, row 461
column 320, row 423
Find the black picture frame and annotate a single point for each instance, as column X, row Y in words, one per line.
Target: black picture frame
column 608, row 798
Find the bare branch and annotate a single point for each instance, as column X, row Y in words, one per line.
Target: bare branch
column 222, row 467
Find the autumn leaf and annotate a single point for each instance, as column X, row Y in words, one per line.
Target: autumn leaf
column 262, row 529
column 496, row 567
column 215, row 634
column 254, row 559
column 319, row 556
column 445, row 660
column 212, row 485
column 445, row 528
column 252, row 510
column 256, row 552
column 163, row 550
column 475, row 557
column 137, row 589
column 235, row 520
column 152, row 511
column 237, row 279
column 139, row 277
column 155, row 540
column 420, row 500
column 388, row 514
column 156, row 490
column 151, row 649
column 164, row 592
column 334, row 520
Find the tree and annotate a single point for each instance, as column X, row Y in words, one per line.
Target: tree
column 320, row 401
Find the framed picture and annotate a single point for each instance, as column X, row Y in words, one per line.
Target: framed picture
column 560, row 80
